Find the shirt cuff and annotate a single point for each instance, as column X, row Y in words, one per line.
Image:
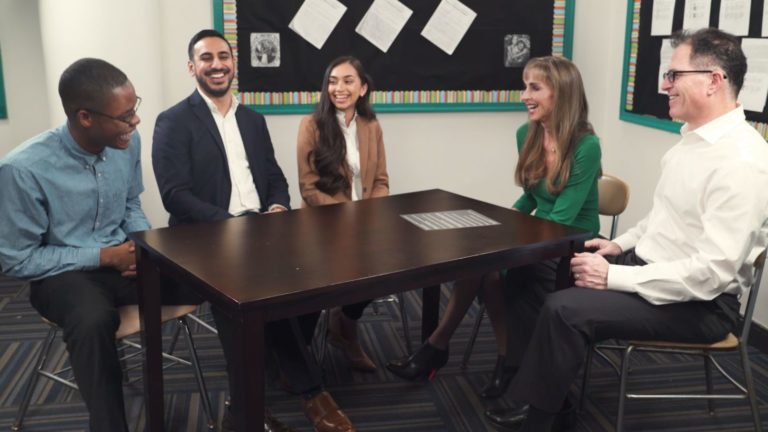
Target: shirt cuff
column 90, row 258
column 276, row 206
column 134, row 226
column 624, row 242
column 620, row 278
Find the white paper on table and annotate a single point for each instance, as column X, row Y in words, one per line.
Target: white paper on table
column 316, row 19
column 665, row 56
column 754, row 91
column 448, row 25
column 734, row 16
column 663, row 12
column 765, row 18
column 383, row 22
column 696, row 14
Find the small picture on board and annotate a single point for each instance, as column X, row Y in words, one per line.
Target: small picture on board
column 517, row 50
column 265, row 49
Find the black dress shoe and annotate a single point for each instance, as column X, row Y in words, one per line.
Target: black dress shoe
column 508, row 417
column 424, row 363
column 271, row 424
column 502, row 376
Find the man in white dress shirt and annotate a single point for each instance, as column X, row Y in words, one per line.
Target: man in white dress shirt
column 679, row 273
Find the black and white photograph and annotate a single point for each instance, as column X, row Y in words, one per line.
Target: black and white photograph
column 265, row 49
column 517, row 50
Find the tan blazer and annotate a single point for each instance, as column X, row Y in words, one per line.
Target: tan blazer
column 373, row 164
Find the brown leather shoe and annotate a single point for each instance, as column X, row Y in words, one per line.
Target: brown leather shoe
column 325, row 415
column 352, row 350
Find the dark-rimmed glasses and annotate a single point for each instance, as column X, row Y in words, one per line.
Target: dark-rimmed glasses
column 672, row 74
column 126, row 118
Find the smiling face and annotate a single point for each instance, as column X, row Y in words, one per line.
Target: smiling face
column 689, row 93
column 538, row 96
column 213, row 66
column 345, row 88
column 115, row 122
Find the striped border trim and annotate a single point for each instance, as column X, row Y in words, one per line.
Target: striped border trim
column 413, row 97
column 634, row 39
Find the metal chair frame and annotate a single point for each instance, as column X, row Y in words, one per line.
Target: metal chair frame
column 65, row 376
column 732, row 342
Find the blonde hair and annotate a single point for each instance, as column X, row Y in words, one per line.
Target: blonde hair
column 567, row 124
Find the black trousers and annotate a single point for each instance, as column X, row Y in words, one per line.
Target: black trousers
column 568, row 321
column 285, row 353
column 355, row 310
column 84, row 305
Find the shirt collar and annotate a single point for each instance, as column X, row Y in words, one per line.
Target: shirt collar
column 212, row 106
column 341, row 115
column 711, row 132
column 74, row 148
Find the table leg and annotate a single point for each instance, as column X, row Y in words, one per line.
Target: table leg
column 248, row 359
column 430, row 310
column 151, row 338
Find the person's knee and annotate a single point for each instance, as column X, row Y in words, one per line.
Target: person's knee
column 91, row 324
column 564, row 306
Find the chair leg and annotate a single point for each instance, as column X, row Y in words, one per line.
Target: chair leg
column 404, row 322
column 751, row 395
column 708, row 377
column 32, row 381
column 585, row 377
column 623, row 388
column 182, row 323
column 175, row 336
column 473, row 336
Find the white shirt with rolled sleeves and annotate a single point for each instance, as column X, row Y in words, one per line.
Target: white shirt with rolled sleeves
column 709, row 219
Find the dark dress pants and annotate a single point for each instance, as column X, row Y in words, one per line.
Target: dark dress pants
column 84, row 305
column 571, row 319
column 285, row 353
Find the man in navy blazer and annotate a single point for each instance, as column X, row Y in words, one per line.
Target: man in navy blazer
column 213, row 160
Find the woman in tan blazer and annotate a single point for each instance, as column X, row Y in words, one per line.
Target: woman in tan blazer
column 341, row 158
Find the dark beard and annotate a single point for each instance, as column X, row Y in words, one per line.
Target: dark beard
column 210, row 91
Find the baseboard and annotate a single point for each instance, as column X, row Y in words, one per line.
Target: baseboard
column 758, row 337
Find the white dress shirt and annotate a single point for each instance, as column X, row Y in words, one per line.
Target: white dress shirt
column 244, row 197
column 709, row 219
column 353, row 153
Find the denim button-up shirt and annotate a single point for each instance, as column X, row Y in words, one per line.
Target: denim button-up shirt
column 59, row 205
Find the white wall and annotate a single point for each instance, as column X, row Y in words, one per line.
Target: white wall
column 467, row 153
column 23, row 73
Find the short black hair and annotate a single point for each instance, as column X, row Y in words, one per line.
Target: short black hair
column 88, row 84
column 202, row 34
column 711, row 46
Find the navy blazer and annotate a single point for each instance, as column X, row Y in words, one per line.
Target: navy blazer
column 191, row 167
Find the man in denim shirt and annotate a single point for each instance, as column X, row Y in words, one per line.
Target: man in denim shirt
column 70, row 196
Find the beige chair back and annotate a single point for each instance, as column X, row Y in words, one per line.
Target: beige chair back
column 613, row 198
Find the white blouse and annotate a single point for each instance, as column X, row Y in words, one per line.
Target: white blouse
column 353, row 153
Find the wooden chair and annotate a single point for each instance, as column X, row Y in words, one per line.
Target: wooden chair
column 129, row 325
column 613, row 197
column 731, row 343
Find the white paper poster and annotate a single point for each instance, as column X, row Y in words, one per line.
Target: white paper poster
column 448, row 25
column 734, row 16
column 665, row 56
column 755, row 89
column 696, row 14
column 316, row 19
column 765, row 18
column 663, row 12
column 383, row 22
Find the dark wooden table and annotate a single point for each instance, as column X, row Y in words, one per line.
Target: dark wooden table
column 266, row 267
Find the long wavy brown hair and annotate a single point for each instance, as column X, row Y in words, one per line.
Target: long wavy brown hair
column 329, row 156
column 567, row 124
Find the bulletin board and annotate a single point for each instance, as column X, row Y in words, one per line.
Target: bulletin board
column 414, row 74
column 3, row 107
column 640, row 101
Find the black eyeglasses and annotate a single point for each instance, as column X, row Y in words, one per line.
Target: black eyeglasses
column 673, row 75
column 126, row 118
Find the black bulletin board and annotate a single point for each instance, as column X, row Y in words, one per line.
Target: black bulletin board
column 414, row 75
column 641, row 103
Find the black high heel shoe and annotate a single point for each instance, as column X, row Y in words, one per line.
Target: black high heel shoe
column 502, row 376
column 425, row 362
